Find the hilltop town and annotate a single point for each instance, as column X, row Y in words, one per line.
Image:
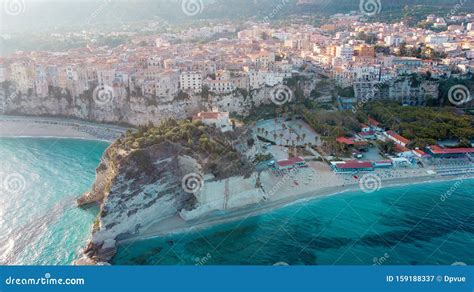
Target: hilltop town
column 222, row 119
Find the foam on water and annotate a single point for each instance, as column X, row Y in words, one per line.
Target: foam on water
column 40, row 179
column 39, row 223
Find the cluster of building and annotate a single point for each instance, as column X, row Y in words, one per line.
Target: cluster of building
column 256, row 56
column 405, row 156
column 351, row 58
column 158, row 70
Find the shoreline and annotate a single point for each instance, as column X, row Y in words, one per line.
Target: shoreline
column 176, row 225
column 57, row 128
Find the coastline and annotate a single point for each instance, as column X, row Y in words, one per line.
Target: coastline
column 57, row 128
column 176, row 225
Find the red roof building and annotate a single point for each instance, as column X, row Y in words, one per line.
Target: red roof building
column 436, row 150
column 345, row 140
column 397, row 138
column 290, row 163
column 352, row 166
column 400, row 149
column 373, row 122
column 420, row 153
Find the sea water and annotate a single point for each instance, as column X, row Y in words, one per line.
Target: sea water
column 426, row 224
column 39, row 182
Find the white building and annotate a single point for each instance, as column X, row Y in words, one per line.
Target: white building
column 257, row 79
column 393, row 40
column 21, row 74
column 191, row 81
column 436, row 39
column 345, row 52
column 218, row 119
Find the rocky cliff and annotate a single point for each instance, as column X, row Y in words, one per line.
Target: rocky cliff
column 154, row 174
column 123, row 107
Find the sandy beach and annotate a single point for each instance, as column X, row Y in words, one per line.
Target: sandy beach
column 16, row 126
column 284, row 197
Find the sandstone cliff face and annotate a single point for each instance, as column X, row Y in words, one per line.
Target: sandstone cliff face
column 134, row 111
column 130, row 109
column 140, row 179
column 134, row 190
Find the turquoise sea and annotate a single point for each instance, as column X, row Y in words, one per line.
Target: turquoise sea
column 396, row 226
column 39, row 181
column 39, row 223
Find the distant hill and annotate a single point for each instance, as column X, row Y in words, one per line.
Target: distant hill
column 61, row 13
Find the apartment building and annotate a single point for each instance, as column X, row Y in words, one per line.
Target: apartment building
column 190, row 81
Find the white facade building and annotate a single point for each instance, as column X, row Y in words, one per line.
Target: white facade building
column 191, row 81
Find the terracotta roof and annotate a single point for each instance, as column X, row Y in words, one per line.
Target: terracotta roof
column 399, row 148
column 420, row 152
column 345, row 140
column 289, row 162
column 438, row 150
column 208, row 115
column 398, row 137
column 373, row 122
column 355, row 164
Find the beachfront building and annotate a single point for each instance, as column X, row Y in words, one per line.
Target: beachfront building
column 400, row 162
column 439, row 152
column 383, row 164
column 352, row 166
column 287, row 164
column 421, row 154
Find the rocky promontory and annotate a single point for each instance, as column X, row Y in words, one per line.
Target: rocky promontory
column 155, row 173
